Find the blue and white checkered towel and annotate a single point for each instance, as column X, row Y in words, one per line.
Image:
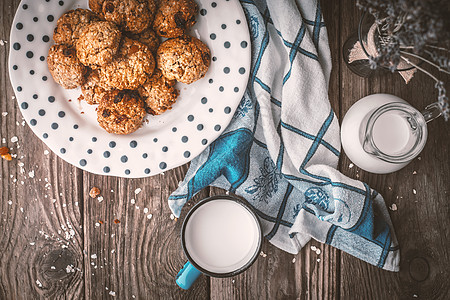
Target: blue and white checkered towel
column 281, row 149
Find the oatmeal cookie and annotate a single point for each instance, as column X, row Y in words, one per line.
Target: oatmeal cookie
column 133, row 64
column 96, row 6
column 130, row 15
column 98, row 43
column 185, row 59
column 120, row 112
column 65, row 67
column 174, row 17
column 147, row 37
column 158, row 93
column 70, row 25
column 92, row 88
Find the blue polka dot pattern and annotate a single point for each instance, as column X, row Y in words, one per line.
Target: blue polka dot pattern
column 106, row 169
column 145, row 155
column 241, row 70
column 94, row 139
column 227, row 44
column 133, row 144
column 127, row 172
column 147, row 171
column 204, row 141
column 62, row 150
column 83, row 162
column 75, row 126
column 33, row 122
column 217, row 128
column 24, row 105
column 165, row 149
column 124, row 159
column 227, row 110
column 89, row 151
column 162, row 165
column 41, row 112
column 112, row 144
column 190, row 118
column 106, row 154
column 187, row 154
column 55, row 126
column 204, row 100
column 61, row 114
column 184, row 139
column 45, row 135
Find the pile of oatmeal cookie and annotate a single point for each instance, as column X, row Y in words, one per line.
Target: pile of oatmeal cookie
column 114, row 53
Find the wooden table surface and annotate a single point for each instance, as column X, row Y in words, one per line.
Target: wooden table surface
column 51, row 248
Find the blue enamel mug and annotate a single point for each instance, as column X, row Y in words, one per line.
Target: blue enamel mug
column 221, row 236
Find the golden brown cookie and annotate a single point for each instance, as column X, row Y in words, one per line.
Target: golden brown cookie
column 185, row 59
column 130, row 15
column 158, row 93
column 70, row 25
column 65, row 67
column 133, row 64
column 174, row 17
column 96, row 6
column 120, row 112
column 93, row 88
column 98, row 44
column 147, row 37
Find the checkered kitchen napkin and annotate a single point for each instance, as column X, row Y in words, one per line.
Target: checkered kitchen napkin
column 281, row 149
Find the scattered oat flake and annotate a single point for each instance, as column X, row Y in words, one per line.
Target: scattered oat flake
column 112, row 251
column 32, row 243
column 145, row 210
column 393, row 207
column 172, row 217
column 39, row 283
column 100, row 199
column 14, row 139
column 31, row 174
column 318, row 251
column 351, row 166
column 415, row 296
column 414, row 191
column 263, row 254
column 94, row 256
column 53, row 267
column 10, row 202
column 415, row 172
column 97, row 224
column 149, row 216
column 46, row 152
column 133, row 201
column 112, row 293
column 318, row 260
column 293, row 260
column 137, row 191
column 313, row 248
column 4, row 114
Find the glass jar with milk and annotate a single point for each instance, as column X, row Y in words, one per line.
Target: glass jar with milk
column 382, row 133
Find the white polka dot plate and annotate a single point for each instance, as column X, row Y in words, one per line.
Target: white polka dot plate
column 69, row 127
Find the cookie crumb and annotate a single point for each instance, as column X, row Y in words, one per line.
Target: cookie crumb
column 116, row 221
column 263, row 254
column 94, row 192
column 393, row 207
column 149, row 216
column 414, row 191
column 293, row 260
column 137, row 191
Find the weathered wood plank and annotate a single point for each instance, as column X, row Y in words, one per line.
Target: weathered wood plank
column 140, row 256
column 420, row 192
column 41, row 235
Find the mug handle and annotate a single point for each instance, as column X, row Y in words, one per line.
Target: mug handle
column 187, row 276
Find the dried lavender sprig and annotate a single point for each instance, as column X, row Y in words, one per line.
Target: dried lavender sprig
column 425, row 60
